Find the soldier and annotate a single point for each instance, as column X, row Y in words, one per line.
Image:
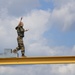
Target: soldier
column 20, row 32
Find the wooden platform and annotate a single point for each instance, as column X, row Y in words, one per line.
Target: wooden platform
column 38, row 60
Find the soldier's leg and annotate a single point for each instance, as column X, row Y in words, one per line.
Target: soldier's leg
column 17, row 48
column 22, row 47
column 23, row 50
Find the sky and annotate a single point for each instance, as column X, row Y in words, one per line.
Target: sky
column 51, row 25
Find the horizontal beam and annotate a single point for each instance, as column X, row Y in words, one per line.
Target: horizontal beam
column 38, row 60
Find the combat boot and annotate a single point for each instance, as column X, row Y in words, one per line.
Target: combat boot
column 23, row 55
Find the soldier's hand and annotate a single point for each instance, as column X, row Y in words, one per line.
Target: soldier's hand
column 21, row 18
column 26, row 29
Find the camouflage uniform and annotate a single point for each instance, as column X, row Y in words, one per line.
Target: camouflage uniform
column 20, row 32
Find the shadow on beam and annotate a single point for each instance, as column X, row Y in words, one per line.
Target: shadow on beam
column 38, row 60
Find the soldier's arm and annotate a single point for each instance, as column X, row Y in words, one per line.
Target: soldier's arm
column 19, row 23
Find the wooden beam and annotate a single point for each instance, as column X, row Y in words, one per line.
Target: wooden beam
column 38, row 60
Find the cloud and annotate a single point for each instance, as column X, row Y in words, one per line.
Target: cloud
column 54, row 69
column 63, row 69
column 32, row 69
column 62, row 3
column 21, row 70
column 63, row 17
column 18, row 8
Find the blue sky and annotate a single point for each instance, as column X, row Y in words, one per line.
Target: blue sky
column 60, row 38
column 46, row 5
column 51, row 25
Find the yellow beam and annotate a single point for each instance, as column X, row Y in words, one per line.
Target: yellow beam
column 38, row 60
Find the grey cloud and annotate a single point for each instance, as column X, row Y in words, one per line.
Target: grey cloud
column 62, row 2
column 54, row 69
column 26, row 69
column 4, row 3
column 18, row 7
